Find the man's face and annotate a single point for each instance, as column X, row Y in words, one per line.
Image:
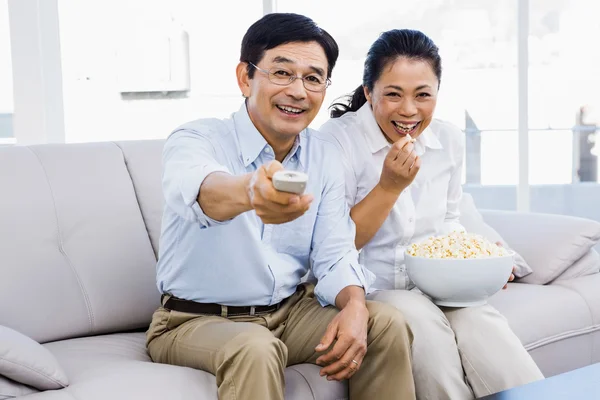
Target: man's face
column 280, row 113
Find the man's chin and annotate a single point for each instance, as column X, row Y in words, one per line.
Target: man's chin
column 292, row 129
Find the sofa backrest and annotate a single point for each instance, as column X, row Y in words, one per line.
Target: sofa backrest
column 75, row 255
column 144, row 163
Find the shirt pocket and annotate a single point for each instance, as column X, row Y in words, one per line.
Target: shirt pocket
column 295, row 237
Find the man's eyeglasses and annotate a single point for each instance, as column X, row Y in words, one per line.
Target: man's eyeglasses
column 283, row 77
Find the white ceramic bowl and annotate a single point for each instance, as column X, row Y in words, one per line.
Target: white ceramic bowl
column 459, row 282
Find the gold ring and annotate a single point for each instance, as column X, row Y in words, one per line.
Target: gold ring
column 355, row 362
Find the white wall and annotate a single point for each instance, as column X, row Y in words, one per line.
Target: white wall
column 91, row 33
column 6, row 87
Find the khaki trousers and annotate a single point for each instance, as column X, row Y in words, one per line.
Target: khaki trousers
column 461, row 353
column 248, row 354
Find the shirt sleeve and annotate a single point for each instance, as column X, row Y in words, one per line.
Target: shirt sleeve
column 333, row 128
column 334, row 259
column 188, row 158
column 451, row 220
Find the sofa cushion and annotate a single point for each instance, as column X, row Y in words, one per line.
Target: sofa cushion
column 587, row 265
column 473, row 222
column 74, row 241
column 26, row 361
column 10, row 389
column 540, row 314
column 550, row 243
column 555, row 323
column 117, row 366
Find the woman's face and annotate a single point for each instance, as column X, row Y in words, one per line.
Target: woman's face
column 404, row 98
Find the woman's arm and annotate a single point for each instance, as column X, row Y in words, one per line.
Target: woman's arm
column 399, row 170
column 369, row 214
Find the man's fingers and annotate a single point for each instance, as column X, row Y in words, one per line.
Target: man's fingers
column 273, row 195
column 345, row 364
column 273, row 167
column 339, row 349
column 327, row 339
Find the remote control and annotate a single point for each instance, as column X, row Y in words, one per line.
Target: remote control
column 290, row 181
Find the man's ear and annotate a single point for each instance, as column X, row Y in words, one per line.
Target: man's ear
column 243, row 78
column 367, row 94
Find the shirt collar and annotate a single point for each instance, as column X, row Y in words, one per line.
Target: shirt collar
column 377, row 141
column 252, row 143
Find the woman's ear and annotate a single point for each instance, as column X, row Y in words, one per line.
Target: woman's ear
column 243, row 79
column 367, row 93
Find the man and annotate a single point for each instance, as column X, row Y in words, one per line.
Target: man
column 233, row 249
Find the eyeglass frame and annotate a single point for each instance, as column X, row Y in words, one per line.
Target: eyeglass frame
column 291, row 79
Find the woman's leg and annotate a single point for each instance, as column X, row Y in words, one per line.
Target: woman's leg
column 437, row 368
column 492, row 355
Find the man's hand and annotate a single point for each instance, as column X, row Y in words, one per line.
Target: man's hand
column 349, row 327
column 400, row 166
column 271, row 205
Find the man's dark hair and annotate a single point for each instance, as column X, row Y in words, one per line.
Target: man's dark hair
column 276, row 29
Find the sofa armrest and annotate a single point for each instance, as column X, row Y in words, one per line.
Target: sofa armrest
column 549, row 243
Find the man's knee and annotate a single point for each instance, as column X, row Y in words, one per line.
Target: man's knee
column 385, row 319
column 258, row 346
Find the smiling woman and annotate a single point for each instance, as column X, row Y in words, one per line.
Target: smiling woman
column 401, row 191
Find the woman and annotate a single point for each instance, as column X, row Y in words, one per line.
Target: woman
column 401, row 191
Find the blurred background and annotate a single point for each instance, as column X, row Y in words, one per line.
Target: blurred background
column 520, row 78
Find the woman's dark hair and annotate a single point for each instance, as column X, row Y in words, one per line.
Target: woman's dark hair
column 276, row 29
column 390, row 45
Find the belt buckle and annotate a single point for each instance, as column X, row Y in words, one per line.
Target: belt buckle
column 252, row 310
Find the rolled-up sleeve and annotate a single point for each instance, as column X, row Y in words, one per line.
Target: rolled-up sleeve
column 188, row 158
column 334, row 258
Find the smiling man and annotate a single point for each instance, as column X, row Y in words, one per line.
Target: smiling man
column 234, row 250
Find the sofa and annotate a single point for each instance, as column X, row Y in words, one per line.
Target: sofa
column 80, row 227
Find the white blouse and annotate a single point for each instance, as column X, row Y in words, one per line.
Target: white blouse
column 429, row 206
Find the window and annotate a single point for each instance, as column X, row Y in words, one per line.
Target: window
column 479, row 81
column 6, row 86
column 564, row 98
column 92, row 38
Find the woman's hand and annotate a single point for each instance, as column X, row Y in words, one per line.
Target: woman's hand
column 512, row 275
column 400, row 167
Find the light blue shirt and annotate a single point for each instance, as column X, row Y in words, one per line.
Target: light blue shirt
column 242, row 262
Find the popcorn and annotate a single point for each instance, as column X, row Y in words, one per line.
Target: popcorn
column 411, row 139
column 460, row 245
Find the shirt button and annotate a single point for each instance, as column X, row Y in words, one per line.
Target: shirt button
column 293, row 159
column 268, row 150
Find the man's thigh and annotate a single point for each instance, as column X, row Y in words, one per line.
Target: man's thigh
column 201, row 342
column 305, row 326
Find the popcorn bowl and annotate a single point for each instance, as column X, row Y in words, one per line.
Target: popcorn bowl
column 455, row 282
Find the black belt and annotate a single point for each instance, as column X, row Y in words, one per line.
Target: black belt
column 192, row 307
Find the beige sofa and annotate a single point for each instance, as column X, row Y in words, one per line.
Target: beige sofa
column 80, row 225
